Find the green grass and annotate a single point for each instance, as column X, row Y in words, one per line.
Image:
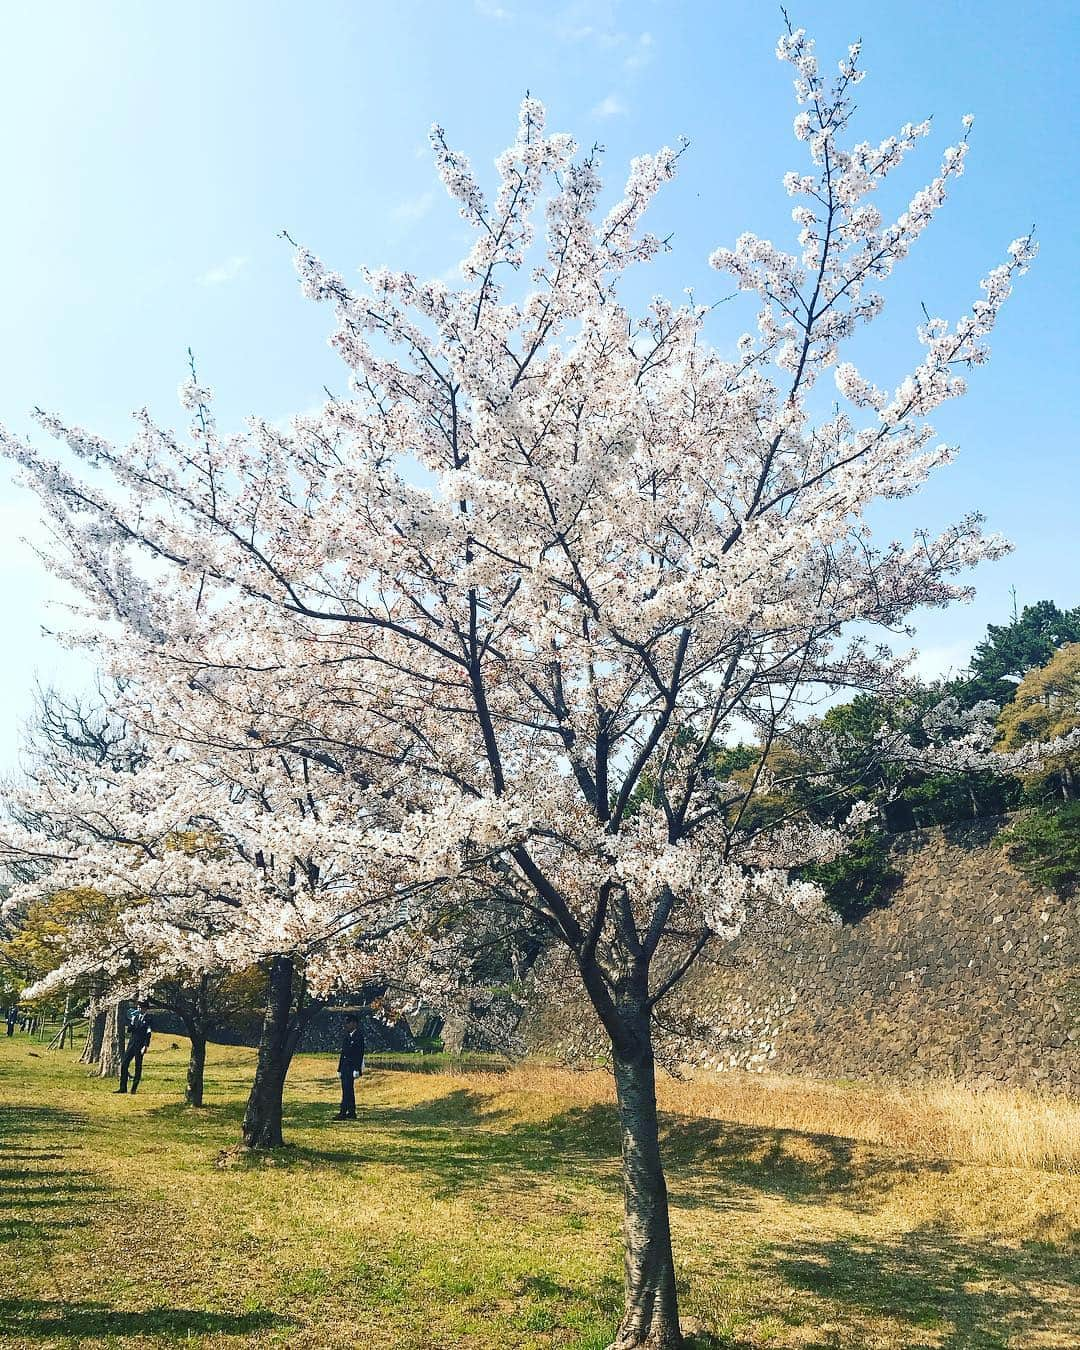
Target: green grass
column 462, row 1211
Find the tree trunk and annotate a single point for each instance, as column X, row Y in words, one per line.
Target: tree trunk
column 112, row 1041
column 193, row 1093
column 262, row 1118
column 95, row 1034
column 651, row 1314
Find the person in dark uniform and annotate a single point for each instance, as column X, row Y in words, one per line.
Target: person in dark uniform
column 350, row 1065
column 138, row 1041
column 12, row 1018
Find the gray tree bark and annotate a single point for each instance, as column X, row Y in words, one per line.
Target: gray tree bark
column 112, row 1041
column 262, row 1118
column 193, row 1092
column 651, row 1313
column 95, row 1033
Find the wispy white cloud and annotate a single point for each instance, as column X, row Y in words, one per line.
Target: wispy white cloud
column 224, row 272
column 415, row 208
column 591, row 21
column 612, row 106
column 937, row 662
column 641, row 54
column 490, row 9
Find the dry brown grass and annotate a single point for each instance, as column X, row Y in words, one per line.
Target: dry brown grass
column 994, row 1127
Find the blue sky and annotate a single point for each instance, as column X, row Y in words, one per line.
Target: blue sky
column 153, row 152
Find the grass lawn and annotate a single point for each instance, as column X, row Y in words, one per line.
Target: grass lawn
column 480, row 1211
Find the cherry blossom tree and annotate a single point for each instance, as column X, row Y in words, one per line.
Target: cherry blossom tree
column 544, row 547
column 207, row 867
column 63, row 740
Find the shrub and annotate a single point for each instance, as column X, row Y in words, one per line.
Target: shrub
column 859, row 880
column 1045, row 845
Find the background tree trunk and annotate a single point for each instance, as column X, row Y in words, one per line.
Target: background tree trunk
column 651, row 1314
column 112, row 1041
column 262, row 1118
column 95, row 1032
column 66, row 1027
column 196, row 1029
column 193, row 1093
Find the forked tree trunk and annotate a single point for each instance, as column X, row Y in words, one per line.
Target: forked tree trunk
column 66, row 1027
column 262, row 1118
column 112, row 1041
column 651, row 1314
column 95, row 1035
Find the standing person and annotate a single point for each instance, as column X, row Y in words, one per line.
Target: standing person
column 12, row 1018
column 350, row 1066
column 138, row 1043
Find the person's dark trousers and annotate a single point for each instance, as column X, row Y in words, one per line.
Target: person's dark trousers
column 11, row 1028
column 348, row 1096
column 133, row 1052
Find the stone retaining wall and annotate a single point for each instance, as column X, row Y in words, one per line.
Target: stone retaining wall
column 970, row 973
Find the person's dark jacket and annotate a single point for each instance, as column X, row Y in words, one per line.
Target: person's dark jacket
column 351, row 1059
column 139, row 1031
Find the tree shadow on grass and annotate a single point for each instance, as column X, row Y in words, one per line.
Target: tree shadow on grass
column 33, row 1318
column 460, row 1140
column 934, row 1289
column 457, row 1142
column 461, row 1108
column 723, row 1159
column 946, row 1292
column 22, row 1124
column 41, row 1203
column 40, row 1198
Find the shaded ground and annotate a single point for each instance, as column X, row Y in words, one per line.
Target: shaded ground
column 456, row 1214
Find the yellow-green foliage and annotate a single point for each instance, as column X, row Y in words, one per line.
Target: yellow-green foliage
column 1046, row 706
column 39, row 944
column 243, row 988
column 772, row 796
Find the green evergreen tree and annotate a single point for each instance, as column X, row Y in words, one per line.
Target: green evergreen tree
column 1009, row 651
